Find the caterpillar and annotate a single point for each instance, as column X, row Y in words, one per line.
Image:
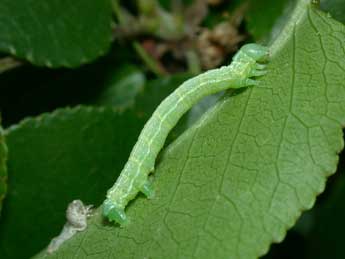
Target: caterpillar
column 248, row 63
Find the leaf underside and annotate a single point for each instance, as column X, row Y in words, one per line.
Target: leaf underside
column 55, row 33
column 237, row 180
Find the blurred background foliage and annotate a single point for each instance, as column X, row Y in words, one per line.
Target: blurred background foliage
column 151, row 40
column 151, row 48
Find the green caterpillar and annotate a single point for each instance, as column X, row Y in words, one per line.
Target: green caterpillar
column 134, row 176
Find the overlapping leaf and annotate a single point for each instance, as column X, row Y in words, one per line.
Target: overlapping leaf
column 53, row 152
column 54, row 159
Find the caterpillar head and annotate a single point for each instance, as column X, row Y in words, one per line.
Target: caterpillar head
column 255, row 51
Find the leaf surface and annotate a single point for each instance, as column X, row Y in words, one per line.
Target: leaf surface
column 240, row 177
column 55, row 33
column 121, row 87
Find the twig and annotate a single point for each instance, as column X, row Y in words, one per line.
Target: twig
column 151, row 63
column 193, row 62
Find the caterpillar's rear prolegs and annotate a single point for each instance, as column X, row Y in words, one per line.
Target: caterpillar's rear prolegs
column 114, row 213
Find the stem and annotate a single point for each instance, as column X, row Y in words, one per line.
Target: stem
column 151, row 63
column 8, row 63
column 193, row 62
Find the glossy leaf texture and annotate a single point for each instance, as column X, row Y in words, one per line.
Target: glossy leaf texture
column 56, row 33
column 241, row 176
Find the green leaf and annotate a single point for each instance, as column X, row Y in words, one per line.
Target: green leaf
column 122, row 87
column 3, row 167
column 54, row 159
column 237, row 180
column 259, row 25
column 39, row 156
column 55, row 33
